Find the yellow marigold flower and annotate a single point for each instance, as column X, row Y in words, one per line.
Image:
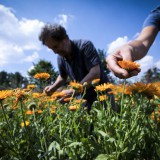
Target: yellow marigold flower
column 80, row 100
column 128, row 65
column 31, row 86
column 29, row 112
column 104, row 87
column 73, row 108
column 26, row 122
column 5, row 94
column 148, row 90
column 77, row 86
column 103, row 97
column 53, row 107
column 117, row 89
column 95, row 81
column 52, row 111
column 68, row 99
column 156, row 115
column 58, row 95
column 42, row 76
column 21, row 94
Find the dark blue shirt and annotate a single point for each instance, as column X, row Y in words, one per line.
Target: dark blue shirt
column 84, row 57
column 153, row 18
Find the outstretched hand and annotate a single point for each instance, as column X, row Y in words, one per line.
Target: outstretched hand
column 123, row 53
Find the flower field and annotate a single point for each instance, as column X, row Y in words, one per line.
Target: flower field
column 36, row 126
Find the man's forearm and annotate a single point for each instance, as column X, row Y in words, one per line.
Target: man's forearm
column 139, row 49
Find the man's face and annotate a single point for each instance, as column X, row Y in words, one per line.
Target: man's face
column 58, row 47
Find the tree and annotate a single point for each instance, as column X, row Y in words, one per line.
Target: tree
column 43, row 66
column 152, row 75
column 4, row 83
column 102, row 55
column 11, row 80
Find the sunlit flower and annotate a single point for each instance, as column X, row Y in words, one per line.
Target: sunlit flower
column 42, row 76
column 38, row 95
column 39, row 111
column 30, row 86
column 29, row 112
column 52, row 111
column 104, row 87
column 80, row 100
column 5, row 94
column 58, row 95
column 156, row 115
column 95, row 82
column 21, row 94
column 118, row 89
column 73, row 108
column 148, row 90
column 67, row 99
column 26, row 122
column 103, row 97
column 128, row 65
column 77, row 86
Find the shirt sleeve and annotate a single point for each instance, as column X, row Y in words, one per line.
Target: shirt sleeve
column 153, row 18
column 91, row 57
column 61, row 67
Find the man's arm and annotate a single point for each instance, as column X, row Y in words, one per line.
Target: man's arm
column 132, row 51
column 94, row 73
column 58, row 83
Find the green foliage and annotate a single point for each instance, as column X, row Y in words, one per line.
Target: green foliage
column 152, row 75
column 102, row 55
column 43, row 66
column 101, row 134
column 12, row 80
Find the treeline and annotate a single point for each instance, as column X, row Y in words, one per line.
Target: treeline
column 16, row 80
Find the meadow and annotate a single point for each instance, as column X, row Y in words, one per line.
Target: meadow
column 36, row 126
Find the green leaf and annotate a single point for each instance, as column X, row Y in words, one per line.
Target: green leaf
column 54, row 145
column 102, row 157
column 75, row 144
column 103, row 133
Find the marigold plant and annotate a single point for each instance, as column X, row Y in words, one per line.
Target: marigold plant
column 42, row 76
column 128, row 65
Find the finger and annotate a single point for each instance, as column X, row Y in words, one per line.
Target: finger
column 115, row 68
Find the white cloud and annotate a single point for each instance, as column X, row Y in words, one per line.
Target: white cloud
column 32, row 57
column 117, row 43
column 17, row 36
column 63, row 19
column 157, row 64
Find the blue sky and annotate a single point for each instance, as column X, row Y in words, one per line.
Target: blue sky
column 107, row 23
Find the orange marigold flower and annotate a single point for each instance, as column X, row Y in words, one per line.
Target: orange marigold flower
column 52, row 111
column 39, row 111
column 121, row 89
column 5, row 94
column 103, row 97
column 26, row 122
column 148, row 90
column 42, row 76
column 95, row 81
column 68, row 99
column 104, row 87
column 31, row 86
column 58, row 95
column 77, row 86
column 73, row 108
column 29, row 112
column 80, row 100
column 128, row 65
column 21, row 94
